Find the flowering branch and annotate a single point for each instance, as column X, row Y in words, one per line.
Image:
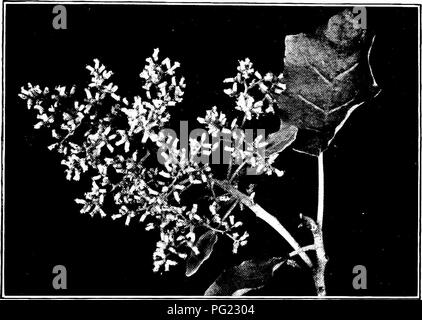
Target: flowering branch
column 265, row 216
column 109, row 138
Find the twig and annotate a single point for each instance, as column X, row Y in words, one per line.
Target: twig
column 229, row 169
column 229, row 211
column 219, row 231
column 264, row 215
column 303, row 249
column 319, row 270
column 237, row 171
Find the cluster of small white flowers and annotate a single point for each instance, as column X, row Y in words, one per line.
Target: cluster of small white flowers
column 162, row 90
column 252, row 91
column 228, row 222
column 160, row 76
column 253, row 96
column 240, row 146
column 107, row 138
column 45, row 103
column 185, row 171
column 254, row 155
column 215, row 121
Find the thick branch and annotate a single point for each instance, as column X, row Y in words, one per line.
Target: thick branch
column 264, row 215
column 319, row 271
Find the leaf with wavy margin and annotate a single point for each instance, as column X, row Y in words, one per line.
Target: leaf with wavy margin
column 327, row 76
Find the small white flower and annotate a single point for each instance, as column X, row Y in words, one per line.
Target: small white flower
column 88, row 94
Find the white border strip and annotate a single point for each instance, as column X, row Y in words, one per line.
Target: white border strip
column 202, row 298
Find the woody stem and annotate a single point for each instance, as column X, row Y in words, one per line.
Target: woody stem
column 320, row 210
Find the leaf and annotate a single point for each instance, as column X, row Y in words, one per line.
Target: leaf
column 205, row 245
column 247, row 276
column 280, row 140
column 327, row 76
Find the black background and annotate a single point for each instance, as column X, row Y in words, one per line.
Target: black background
column 371, row 216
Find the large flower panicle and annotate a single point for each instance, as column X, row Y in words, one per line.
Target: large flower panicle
column 105, row 140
